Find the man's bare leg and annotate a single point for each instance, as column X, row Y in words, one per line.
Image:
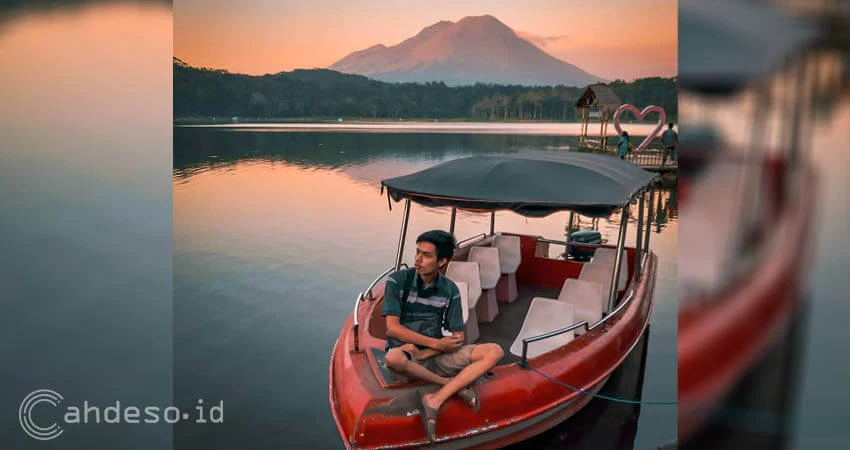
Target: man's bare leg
column 398, row 362
column 484, row 357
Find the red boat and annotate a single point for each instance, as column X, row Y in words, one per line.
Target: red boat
column 373, row 408
column 745, row 218
column 742, row 319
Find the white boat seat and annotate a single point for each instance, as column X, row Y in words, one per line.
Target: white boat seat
column 608, row 256
column 465, row 276
column 509, row 253
column 488, row 265
column 544, row 315
column 707, row 233
column 464, row 298
column 599, row 273
column 466, row 272
column 587, row 298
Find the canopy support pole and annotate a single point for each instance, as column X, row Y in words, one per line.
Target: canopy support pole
column 492, row 222
column 639, row 237
column 621, row 242
column 452, row 224
column 403, row 234
column 649, row 219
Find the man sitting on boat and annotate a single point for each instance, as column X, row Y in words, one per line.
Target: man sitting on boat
column 418, row 304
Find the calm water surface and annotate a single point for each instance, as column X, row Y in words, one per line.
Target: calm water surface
column 276, row 232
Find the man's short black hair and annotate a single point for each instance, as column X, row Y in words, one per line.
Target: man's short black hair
column 670, row 125
column 444, row 242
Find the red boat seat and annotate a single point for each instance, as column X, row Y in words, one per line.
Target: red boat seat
column 607, row 256
column 544, row 315
column 587, row 298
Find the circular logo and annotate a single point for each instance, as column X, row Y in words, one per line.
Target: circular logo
column 41, row 433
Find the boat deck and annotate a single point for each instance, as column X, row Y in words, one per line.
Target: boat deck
column 505, row 327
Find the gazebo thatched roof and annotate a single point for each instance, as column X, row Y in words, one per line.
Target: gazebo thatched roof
column 599, row 95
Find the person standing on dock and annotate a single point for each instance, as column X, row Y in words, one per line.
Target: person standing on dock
column 671, row 144
column 624, row 145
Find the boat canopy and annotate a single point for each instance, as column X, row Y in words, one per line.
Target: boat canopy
column 532, row 184
column 730, row 42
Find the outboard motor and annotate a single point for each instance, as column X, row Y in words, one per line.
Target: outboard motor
column 579, row 252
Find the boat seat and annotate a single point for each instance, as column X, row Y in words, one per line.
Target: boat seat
column 544, row 315
column 464, row 298
column 707, row 232
column 488, row 265
column 587, row 298
column 604, row 255
column 470, row 319
column 466, row 276
column 510, row 258
column 599, row 273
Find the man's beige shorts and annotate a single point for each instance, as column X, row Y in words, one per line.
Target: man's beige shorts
column 449, row 364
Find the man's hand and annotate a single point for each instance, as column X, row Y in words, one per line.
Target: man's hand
column 417, row 353
column 449, row 344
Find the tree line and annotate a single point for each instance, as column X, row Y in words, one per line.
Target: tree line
column 306, row 93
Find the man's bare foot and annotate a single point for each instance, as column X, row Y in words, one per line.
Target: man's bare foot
column 430, row 402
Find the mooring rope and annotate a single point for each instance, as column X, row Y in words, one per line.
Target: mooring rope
column 613, row 399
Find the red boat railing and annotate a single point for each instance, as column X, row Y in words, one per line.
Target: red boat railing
column 587, row 327
column 368, row 295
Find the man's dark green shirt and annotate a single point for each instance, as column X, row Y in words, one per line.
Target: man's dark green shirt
column 426, row 311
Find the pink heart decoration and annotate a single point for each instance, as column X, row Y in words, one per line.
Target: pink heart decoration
column 640, row 115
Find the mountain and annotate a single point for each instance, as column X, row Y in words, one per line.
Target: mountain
column 475, row 49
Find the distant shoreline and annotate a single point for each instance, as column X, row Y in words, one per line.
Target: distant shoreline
column 357, row 120
column 220, row 120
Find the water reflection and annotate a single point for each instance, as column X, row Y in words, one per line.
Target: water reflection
column 198, row 149
column 85, row 276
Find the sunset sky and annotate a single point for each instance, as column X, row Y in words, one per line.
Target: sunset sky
column 613, row 39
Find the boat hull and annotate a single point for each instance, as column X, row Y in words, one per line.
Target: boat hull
column 742, row 321
column 516, row 403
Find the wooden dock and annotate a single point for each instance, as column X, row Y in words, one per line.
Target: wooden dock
column 650, row 159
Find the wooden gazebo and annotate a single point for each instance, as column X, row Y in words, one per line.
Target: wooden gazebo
column 597, row 101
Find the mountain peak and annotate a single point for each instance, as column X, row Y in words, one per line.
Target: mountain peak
column 483, row 23
column 432, row 30
column 475, row 49
column 486, row 18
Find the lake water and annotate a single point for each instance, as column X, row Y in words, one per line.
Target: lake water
column 275, row 232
